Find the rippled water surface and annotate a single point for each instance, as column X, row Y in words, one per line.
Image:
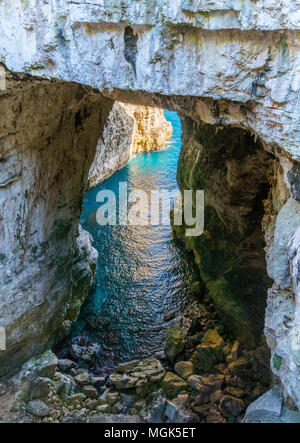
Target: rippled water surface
column 142, row 273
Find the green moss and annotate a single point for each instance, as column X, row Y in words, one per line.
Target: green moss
column 277, row 362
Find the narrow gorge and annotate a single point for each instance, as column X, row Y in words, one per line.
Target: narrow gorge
column 83, row 89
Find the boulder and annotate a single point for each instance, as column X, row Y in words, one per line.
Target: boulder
column 123, row 381
column 83, row 378
column 154, row 411
column 90, row 392
column 91, row 405
column 176, row 412
column 114, row 418
column 111, row 397
column 215, row 342
column 203, row 359
column 213, row 382
column 46, row 365
column 184, row 369
column 173, row 385
column 175, row 342
column 65, row 365
column 239, row 367
column 64, row 385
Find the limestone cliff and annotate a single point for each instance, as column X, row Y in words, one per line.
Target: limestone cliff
column 129, row 130
column 222, row 63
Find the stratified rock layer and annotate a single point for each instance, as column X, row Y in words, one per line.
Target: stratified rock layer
column 129, row 130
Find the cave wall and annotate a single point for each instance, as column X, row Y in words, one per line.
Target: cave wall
column 48, row 132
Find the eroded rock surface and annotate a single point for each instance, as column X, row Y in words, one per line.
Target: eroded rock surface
column 129, row 130
column 47, row 263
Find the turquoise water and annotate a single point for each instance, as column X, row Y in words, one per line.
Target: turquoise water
column 142, row 273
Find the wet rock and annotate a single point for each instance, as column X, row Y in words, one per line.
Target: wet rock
column 184, row 369
column 65, row 365
column 40, row 388
column 203, row 359
column 175, row 342
column 173, row 385
column 38, row 408
column 235, row 353
column 215, row 342
column 231, row 406
column 90, row 392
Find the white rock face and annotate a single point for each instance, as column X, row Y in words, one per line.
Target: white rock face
column 222, row 61
column 129, row 130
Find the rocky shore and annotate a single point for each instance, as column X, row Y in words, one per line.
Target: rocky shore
column 201, row 376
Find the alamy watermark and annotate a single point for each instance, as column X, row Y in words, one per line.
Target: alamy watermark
column 2, row 339
column 139, row 208
column 2, row 79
